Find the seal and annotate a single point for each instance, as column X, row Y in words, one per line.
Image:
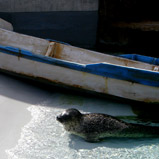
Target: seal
column 95, row 126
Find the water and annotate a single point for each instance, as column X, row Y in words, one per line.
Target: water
column 44, row 138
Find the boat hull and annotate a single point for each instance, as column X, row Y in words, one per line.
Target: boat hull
column 74, row 67
column 78, row 79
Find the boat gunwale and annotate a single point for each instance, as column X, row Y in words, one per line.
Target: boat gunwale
column 145, row 77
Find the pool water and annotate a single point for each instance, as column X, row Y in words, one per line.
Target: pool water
column 45, row 138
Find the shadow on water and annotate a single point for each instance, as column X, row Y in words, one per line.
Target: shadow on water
column 146, row 111
column 21, row 89
column 78, row 143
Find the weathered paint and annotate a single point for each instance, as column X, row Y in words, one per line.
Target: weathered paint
column 80, row 68
column 104, row 69
column 73, row 78
column 36, row 45
column 83, row 56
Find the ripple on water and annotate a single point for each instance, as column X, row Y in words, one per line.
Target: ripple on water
column 44, row 138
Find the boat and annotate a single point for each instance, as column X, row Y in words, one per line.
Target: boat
column 5, row 25
column 58, row 63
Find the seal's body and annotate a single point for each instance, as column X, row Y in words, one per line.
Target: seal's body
column 94, row 126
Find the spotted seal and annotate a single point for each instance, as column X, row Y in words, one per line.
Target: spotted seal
column 95, row 126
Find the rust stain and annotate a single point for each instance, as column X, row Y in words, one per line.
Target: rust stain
column 84, row 73
column 77, row 86
column 51, row 81
column 131, row 63
column 126, row 62
column 150, row 101
column 155, row 68
column 58, row 51
column 40, row 79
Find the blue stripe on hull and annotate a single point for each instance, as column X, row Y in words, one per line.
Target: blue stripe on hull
column 103, row 69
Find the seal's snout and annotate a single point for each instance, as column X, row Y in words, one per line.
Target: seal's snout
column 59, row 118
column 64, row 117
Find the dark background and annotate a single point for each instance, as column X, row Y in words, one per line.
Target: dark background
column 129, row 26
column 118, row 27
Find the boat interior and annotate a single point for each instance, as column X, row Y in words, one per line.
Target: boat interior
column 66, row 52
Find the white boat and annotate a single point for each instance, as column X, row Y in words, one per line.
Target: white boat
column 5, row 25
column 66, row 65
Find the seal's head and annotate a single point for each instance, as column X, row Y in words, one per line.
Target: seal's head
column 69, row 115
column 70, row 119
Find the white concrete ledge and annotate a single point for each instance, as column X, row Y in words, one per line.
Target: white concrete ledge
column 47, row 5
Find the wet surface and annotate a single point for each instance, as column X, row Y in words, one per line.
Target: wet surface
column 41, row 136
